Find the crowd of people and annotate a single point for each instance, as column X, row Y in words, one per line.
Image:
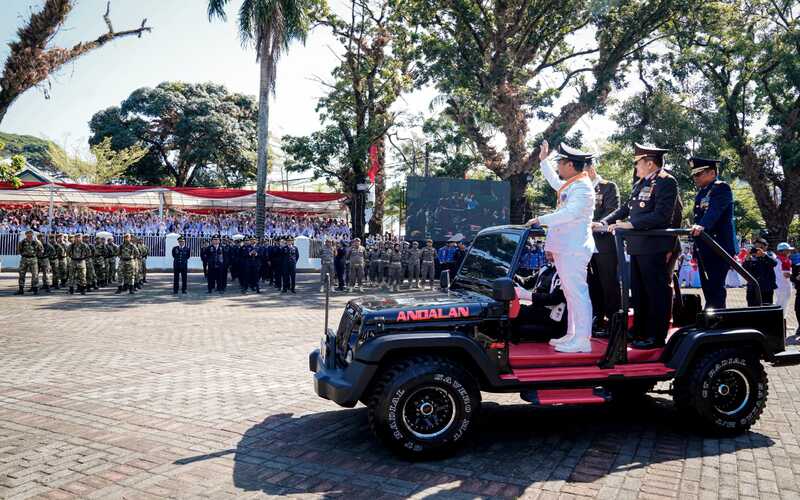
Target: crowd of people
column 71, row 220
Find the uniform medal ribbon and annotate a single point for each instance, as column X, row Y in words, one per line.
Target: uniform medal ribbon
column 578, row 177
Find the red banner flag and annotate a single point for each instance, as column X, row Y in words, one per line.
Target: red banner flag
column 374, row 163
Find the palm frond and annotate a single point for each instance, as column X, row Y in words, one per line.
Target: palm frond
column 216, row 8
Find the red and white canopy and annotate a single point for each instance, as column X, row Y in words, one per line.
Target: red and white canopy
column 190, row 199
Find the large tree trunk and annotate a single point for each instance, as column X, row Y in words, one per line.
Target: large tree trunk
column 356, row 205
column 519, row 204
column 265, row 85
column 376, row 223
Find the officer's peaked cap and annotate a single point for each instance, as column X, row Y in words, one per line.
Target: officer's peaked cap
column 697, row 164
column 648, row 151
column 181, row 238
column 573, row 154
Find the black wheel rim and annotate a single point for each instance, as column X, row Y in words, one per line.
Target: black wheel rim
column 730, row 391
column 429, row 412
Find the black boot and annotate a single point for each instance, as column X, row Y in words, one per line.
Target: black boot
column 82, row 289
column 21, row 291
column 131, row 290
column 36, row 290
column 71, row 290
column 119, row 290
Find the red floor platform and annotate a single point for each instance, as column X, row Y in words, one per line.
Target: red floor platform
column 541, row 355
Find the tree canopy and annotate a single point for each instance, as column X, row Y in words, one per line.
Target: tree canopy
column 194, row 134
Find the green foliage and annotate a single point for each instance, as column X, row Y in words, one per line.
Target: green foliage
column 745, row 211
column 8, row 170
column 35, row 150
column 395, row 201
column 191, row 132
column 106, row 166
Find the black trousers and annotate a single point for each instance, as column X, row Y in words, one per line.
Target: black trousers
column 535, row 324
column 278, row 275
column 339, row 275
column 766, row 297
column 179, row 273
column 713, row 272
column 289, row 273
column 604, row 286
column 651, row 294
column 217, row 279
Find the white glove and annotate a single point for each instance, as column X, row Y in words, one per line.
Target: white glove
column 523, row 294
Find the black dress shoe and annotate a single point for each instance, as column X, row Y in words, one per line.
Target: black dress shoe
column 600, row 334
column 647, row 344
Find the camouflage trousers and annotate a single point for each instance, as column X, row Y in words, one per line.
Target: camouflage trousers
column 46, row 270
column 126, row 274
column 100, row 268
column 413, row 272
column 77, row 273
column 327, row 268
column 62, row 271
column 111, row 269
column 91, row 278
column 395, row 275
column 356, row 273
column 54, row 271
column 428, row 272
column 141, row 269
column 29, row 265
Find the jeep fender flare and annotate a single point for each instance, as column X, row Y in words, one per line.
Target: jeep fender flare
column 694, row 341
column 377, row 349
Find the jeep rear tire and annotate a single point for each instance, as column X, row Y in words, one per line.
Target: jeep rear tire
column 725, row 390
column 423, row 407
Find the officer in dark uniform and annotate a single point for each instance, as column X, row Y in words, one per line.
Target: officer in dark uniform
column 249, row 267
column 713, row 214
column 217, row 260
column 276, row 260
column 291, row 256
column 603, row 281
column 180, row 265
column 651, row 206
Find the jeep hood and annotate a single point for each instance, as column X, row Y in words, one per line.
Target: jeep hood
column 422, row 306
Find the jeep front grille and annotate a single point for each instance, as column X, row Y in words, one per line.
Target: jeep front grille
column 347, row 324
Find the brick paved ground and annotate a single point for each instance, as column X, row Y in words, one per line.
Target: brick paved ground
column 109, row 396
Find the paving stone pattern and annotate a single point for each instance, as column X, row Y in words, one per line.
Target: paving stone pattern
column 111, row 396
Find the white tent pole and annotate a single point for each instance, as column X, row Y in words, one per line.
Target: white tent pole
column 161, row 206
column 50, row 208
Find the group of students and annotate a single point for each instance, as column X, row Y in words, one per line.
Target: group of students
column 387, row 265
column 248, row 260
column 81, row 263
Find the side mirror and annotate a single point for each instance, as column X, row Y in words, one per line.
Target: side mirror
column 444, row 279
column 503, row 290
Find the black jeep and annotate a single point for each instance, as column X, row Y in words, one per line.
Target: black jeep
column 420, row 361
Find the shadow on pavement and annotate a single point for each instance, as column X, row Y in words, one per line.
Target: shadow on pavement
column 515, row 446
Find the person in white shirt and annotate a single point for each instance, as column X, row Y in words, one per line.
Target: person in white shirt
column 569, row 238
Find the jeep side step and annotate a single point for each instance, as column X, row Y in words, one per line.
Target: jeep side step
column 564, row 397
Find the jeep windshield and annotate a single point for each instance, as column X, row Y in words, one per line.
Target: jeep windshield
column 490, row 257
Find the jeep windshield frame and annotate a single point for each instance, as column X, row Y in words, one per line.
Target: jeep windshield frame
column 494, row 254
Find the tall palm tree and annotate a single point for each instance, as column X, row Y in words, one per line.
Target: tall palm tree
column 270, row 26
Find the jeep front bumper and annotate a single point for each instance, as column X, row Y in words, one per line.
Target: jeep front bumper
column 343, row 385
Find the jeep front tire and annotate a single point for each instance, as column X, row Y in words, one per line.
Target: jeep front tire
column 423, row 407
column 725, row 389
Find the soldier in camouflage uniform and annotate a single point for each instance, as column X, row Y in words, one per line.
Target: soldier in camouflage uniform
column 383, row 264
column 373, row 257
column 100, row 261
column 111, row 260
column 59, row 272
column 395, row 268
column 91, row 277
column 406, row 247
column 69, row 240
column 79, row 254
column 29, row 250
column 46, row 253
column 326, row 264
column 53, row 240
column 428, row 263
column 414, row 255
column 144, row 252
column 128, row 255
column 356, row 271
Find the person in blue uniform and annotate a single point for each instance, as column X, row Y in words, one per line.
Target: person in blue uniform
column 339, row 265
column 180, row 265
column 291, row 256
column 713, row 214
column 275, row 255
column 250, row 266
column 217, row 261
column 652, row 205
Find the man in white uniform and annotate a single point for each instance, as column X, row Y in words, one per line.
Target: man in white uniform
column 569, row 238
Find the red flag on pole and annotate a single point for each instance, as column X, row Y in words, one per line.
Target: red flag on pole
column 374, row 163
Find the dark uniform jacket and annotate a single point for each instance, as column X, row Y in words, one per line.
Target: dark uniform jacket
column 606, row 201
column 763, row 270
column 180, row 257
column 713, row 209
column 654, row 204
column 542, row 282
column 216, row 258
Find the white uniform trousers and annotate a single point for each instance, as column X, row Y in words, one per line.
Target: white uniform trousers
column 572, row 271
